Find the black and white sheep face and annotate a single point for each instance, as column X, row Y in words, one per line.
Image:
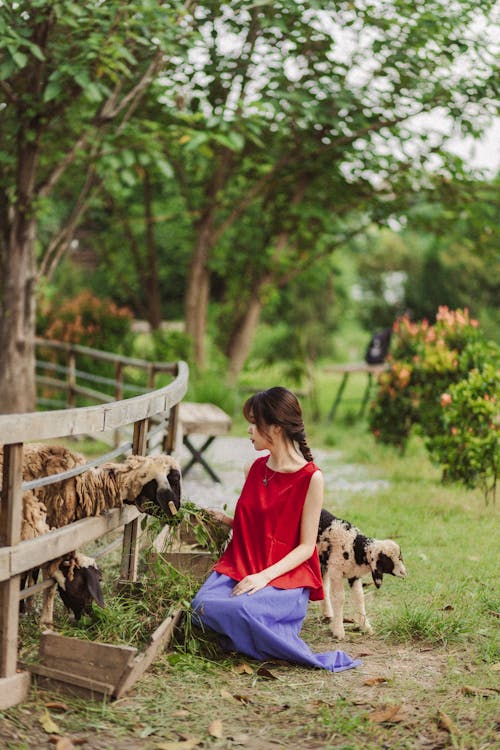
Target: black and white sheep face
column 79, row 583
column 155, row 482
column 385, row 557
column 163, row 491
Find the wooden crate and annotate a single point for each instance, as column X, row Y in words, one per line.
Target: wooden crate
column 197, row 564
column 94, row 669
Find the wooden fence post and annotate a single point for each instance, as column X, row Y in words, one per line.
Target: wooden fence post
column 14, row 686
column 131, row 532
column 71, row 397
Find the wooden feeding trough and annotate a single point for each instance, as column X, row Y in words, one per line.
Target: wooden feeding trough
column 94, row 669
column 97, row 670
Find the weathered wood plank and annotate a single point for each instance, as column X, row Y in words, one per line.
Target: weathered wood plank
column 89, row 659
column 203, row 419
column 159, row 639
column 26, row 555
column 18, row 428
column 59, row 678
column 352, row 367
column 10, row 534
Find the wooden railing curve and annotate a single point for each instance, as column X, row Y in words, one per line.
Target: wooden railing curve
column 16, row 557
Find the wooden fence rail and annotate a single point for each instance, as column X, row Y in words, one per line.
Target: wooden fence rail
column 16, row 557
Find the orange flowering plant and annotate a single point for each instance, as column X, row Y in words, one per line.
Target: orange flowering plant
column 425, row 361
column 87, row 320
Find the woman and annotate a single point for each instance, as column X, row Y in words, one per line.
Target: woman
column 256, row 597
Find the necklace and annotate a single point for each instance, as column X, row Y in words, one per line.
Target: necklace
column 266, row 480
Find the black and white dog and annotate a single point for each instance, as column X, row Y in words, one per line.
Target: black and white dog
column 344, row 552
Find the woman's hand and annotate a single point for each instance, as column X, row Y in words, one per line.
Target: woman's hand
column 251, row 584
column 220, row 517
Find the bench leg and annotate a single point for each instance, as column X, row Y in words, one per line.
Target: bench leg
column 198, row 458
column 366, row 395
column 338, row 397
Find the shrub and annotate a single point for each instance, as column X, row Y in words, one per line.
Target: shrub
column 426, row 363
column 469, row 448
column 87, row 320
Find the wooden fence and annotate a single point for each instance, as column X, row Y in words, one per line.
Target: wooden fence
column 16, row 557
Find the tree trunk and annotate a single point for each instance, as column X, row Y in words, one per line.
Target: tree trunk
column 241, row 341
column 17, row 324
column 198, row 292
column 153, row 301
column 18, row 288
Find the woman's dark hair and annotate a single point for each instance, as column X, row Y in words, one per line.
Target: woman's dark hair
column 278, row 406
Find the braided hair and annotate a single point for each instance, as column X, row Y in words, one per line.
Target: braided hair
column 281, row 407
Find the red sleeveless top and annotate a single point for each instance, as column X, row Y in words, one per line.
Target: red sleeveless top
column 266, row 527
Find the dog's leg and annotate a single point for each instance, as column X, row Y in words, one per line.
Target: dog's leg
column 338, row 595
column 358, row 600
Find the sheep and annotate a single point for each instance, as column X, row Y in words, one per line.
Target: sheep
column 152, row 483
column 77, row 576
column 344, row 552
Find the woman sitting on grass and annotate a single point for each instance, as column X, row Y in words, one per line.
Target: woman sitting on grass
column 256, row 598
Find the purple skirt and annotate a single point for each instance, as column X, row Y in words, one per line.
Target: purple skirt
column 264, row 625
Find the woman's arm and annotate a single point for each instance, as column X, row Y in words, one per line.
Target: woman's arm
column 221, row 517
column 302, row 552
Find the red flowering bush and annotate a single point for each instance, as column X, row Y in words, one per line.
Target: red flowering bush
column 433, row 370
column 89, row 321
column 86, row 319
column 424, row 361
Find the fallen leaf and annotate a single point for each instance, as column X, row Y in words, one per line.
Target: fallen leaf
column 181, row 713
column 65, row 743
column 49, row 724
column 495, row 667
column 266, row 673
column 492, row 612
column 215, row 728
column 187, row 744
column 483, row 692
column 375, row 681
column 242, row 698
column 445, row 723
column 448, row 608
column 243, row 668
column 55, row 706
column 385, row 714
column 227, row 695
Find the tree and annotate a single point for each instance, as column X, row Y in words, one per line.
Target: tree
column 446, row 254
column 72, row 76
column 292, row 113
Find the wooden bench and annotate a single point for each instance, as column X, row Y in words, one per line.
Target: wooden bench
column 201, row 419
column 346, row 370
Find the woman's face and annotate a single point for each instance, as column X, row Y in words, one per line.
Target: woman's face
column 260, row 440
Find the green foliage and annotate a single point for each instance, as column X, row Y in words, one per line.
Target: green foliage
column 426, row 365
column 469, row 448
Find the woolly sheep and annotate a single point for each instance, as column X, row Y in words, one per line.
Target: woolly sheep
column 151, row 482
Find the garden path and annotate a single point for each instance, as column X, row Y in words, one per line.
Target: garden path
column 229, row 454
